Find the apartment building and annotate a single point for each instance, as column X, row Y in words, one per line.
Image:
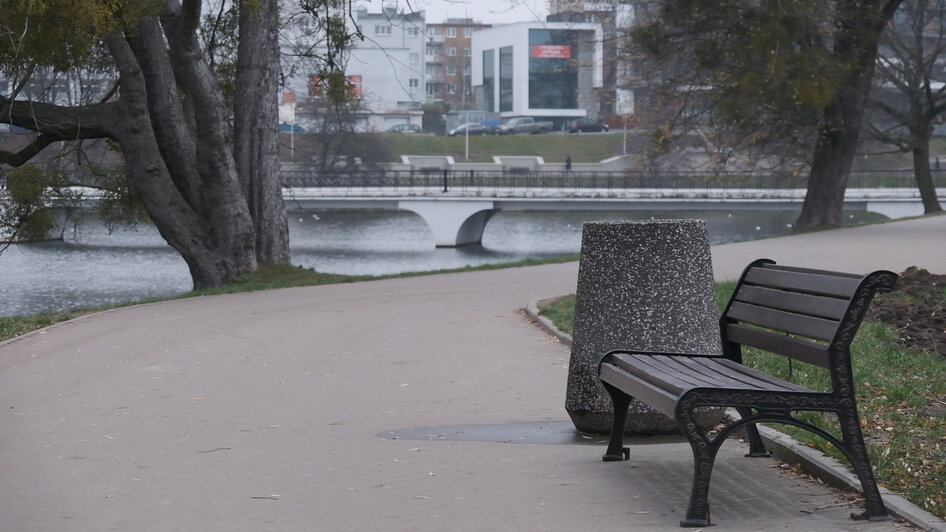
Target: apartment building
column 448, row 55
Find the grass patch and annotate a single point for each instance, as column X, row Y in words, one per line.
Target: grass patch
column 562, row 313
column 902, row 400
column 17, row 325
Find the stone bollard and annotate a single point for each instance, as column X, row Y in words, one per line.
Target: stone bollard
column 641, row 285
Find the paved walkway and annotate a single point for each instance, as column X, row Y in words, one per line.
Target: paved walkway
column 426, row 403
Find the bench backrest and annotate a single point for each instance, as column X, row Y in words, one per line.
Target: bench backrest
column 805, row 314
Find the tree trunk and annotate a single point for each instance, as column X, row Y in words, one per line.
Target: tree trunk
column 924, row 178
column 256, row 122
column 860, row 25
column 827, row 181
column 210, row 260
column 224, row 210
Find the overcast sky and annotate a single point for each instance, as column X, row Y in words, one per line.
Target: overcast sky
column 489, row 11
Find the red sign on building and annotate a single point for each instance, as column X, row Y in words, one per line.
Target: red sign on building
column 317, row 86
column 355, row 82
column 551, row 51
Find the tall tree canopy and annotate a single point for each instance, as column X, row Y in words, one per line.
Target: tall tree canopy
column 204, row 168
column 772, row 71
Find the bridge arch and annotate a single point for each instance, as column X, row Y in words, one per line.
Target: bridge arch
column 453, row 223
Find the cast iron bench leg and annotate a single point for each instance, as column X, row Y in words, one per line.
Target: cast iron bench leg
column 857, row 453
column 756, row 447
column 622, row 401
column 704, row 456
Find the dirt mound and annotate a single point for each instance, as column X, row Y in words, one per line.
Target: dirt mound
column 917, row 309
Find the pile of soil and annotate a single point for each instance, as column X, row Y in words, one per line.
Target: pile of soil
column 916, row 308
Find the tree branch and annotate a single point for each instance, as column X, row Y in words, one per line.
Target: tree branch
column 21, row 157
column 60, row 122
column 175, row 139
column 54, row 123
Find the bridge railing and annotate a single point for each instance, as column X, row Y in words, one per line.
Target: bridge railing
column 519, row 179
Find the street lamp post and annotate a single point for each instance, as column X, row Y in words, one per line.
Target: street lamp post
column 466, row 119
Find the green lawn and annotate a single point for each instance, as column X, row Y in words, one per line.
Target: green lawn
column 554, row 148
column 590, row 148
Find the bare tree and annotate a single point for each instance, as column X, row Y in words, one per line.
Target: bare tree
column 910, row 90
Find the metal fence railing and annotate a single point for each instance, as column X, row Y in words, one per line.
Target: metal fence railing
column 594, row 180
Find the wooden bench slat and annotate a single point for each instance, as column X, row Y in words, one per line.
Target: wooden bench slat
column 765, row 377
column 812, row 327
column 680, row 373
column 655, row 375
column 712, row 374
column 811, row 270
column 743, row 375
column 812, row 283
column 812, row 305
column 797, row 348
column 661, row 400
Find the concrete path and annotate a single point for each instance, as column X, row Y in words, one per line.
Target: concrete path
column 891, row 246
column 426, row 403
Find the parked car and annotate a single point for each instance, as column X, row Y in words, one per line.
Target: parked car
column 587, row 125
column 405, row 128
column 470, row 128
column 524, row 124
column 492, row 124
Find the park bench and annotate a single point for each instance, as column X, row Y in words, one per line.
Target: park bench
column 803, row 314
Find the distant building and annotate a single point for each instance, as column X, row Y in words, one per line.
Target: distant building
column 387, row 68
column 385, row 72
column 616, row 96
column 449, row 63
column 549, row 70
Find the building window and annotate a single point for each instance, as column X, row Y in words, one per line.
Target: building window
column 489, row 80
column 451, row 70
column 382, row 30
column 467, row 52
column 553, row 69
column 413, row 31
column 415, row 58
column 467, row 69
column 452, row 51
column 451, row 32
column 505, row 79
column 467, row 32
column 432, row 70
column 413, row 83
column 431, row 51
column 451, row 88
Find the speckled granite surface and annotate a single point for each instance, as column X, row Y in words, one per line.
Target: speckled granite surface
column 644, row 285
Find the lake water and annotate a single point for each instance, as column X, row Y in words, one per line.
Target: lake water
column 93, row 266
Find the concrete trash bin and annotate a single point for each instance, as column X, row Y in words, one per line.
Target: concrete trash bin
column 644, row 285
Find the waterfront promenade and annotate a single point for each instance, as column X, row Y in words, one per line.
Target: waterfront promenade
column 415, row 404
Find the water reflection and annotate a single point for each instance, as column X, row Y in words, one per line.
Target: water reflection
column 96, row 266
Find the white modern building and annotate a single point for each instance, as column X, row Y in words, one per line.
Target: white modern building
column 547, row 70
